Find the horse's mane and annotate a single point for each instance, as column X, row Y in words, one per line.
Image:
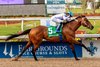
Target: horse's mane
column 80, row 16
column 75, row 18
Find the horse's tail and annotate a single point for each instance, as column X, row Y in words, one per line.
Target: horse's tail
column 16, row 35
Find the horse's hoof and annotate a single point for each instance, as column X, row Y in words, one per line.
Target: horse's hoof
column 14, row 59
column 77, row 59
column 89, row 51
column 36, row 59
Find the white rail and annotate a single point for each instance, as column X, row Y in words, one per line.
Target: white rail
column 38, row 18
column 77, row 35
column 20, row 37
column 20, row 19
column 87, row 35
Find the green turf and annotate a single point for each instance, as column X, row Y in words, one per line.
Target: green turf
column 9, row 29
column 31, row 24
column 16, row 28
column 95, row 23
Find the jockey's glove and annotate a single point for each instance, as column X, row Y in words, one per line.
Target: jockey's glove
column 64, row 21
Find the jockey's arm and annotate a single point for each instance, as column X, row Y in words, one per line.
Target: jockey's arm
column 67, row 18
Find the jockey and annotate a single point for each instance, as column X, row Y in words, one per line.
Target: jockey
column 61, row 18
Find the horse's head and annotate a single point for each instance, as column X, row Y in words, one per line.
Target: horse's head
column 85, row 22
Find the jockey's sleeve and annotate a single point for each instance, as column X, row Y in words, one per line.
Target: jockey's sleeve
column 66, row 18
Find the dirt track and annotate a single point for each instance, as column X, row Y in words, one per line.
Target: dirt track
column 63, row 62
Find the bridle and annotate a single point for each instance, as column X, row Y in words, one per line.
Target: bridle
column 82, row 22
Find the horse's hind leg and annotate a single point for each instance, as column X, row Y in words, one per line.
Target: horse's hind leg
column 73, row 51
column 33, row 52
column 36, row 46
column 25, row 48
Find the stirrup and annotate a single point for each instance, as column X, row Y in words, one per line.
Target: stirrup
column 58, row 28
column 57, row 31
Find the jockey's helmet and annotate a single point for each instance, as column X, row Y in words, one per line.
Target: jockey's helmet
column 70, row 13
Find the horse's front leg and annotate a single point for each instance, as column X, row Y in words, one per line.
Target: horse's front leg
column 81, row 44
column 72, row 40
column 73, row 51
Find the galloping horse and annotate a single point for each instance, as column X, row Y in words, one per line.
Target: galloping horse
column 37, row 34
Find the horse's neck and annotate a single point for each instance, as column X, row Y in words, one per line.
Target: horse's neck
column 74, row 25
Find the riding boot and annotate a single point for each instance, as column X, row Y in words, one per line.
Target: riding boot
column 58, row 27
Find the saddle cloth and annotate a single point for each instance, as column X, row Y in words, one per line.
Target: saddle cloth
column 52, row 31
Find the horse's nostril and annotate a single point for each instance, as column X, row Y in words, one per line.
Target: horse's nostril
column 92, row 27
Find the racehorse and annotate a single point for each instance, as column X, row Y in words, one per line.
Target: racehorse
column 37, row 34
